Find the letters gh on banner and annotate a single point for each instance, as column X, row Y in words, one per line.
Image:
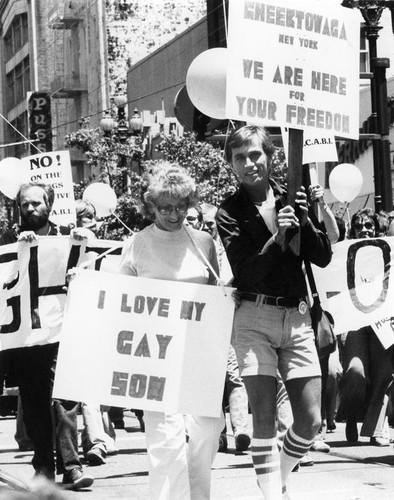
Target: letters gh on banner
column 32, row 277
column 144, row 343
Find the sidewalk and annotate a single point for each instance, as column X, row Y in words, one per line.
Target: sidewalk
column 358, row 472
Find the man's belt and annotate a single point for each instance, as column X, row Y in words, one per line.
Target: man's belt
column 272, row 301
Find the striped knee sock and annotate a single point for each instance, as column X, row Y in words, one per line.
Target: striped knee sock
column 294, row 448
column 265, row 456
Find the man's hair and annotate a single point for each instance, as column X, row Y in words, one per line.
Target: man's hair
column 245, row 135
column 49, row 193
column 84, row 209
column 368, row 213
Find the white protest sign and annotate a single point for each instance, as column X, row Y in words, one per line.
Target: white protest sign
column 318, row 147
column 384, row 329
column 142, row 343
column 357, row 287
column 54, row 168
column 294, row 65
column 32, row 281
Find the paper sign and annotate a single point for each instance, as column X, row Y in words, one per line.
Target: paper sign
column 357, row 286
column 32, row 285
column 54, row 168
column 294, row 65
column 142, row 343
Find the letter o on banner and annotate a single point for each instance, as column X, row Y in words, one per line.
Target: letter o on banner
column 351, row 272
column 206, row 82
column 345, row 182
column 102, row 197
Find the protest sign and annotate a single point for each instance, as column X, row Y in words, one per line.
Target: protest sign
column 318, row 147
column 54, row 168
column 144, row 343
column 357, row 288
column 32, row 293
column 286, row 71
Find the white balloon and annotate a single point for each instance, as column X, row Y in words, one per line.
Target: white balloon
column 206, row 82
column 345, row 182
column 11, row 176
column 102, row 197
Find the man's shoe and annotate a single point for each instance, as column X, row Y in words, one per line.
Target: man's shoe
column 306, row 461
column 242, row 441
column 76, row 480
column 222, row 443
column 331, row 427
column 95, row 456
column 320, row 445
column 379, row 441
column 351, row 431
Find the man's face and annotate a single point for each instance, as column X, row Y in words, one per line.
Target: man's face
column 250, row 163
column 364, row 227
column 210, row 225
column 34, row 211
column 192, row 218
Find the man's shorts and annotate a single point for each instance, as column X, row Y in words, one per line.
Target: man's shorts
column 267, row 338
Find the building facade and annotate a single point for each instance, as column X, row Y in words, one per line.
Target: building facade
column 55, row 49
column 154, row 82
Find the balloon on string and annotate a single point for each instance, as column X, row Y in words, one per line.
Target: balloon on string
column 345, row 182
column 102, row 197
column 206, row 82
column 11, row 176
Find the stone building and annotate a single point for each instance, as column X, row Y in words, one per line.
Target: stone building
column 55, row 49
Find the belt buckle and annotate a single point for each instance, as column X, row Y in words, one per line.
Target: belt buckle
column 277, row 301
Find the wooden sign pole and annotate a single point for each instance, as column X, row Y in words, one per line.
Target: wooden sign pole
column 294, row 182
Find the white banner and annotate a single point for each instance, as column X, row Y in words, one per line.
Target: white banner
column 143, row 343
column 357, row 287
column 32, row 280
column 54, row 168
column 294, row 64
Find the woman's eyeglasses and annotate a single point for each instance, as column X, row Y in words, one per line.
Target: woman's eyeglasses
column 368, row 225
column 181, row 208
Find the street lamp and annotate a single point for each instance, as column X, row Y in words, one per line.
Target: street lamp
column 136, row 124
column 372, row 10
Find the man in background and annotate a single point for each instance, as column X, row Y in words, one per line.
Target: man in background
column 33, row 368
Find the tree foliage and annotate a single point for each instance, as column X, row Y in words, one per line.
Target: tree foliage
column 203, row 160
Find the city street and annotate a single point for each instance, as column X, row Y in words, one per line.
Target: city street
column 360, row 472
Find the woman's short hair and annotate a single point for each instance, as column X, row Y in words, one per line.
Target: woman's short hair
column 362, row 214
column 84, row 209
column 49, row 193
column 167, row 180
column 245, row 135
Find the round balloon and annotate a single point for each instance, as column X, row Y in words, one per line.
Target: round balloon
column 206, row 82
column 345, row 182
column 102, row 197
column 11, row 176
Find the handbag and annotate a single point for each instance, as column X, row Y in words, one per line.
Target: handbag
column 322, row 321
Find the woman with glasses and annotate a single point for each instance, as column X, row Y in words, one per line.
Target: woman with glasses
column 169, row 250
column 367, row 368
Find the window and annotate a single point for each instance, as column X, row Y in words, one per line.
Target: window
column 16, row 37
column 18, row 83
column 18, row 150
column 364, row 53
